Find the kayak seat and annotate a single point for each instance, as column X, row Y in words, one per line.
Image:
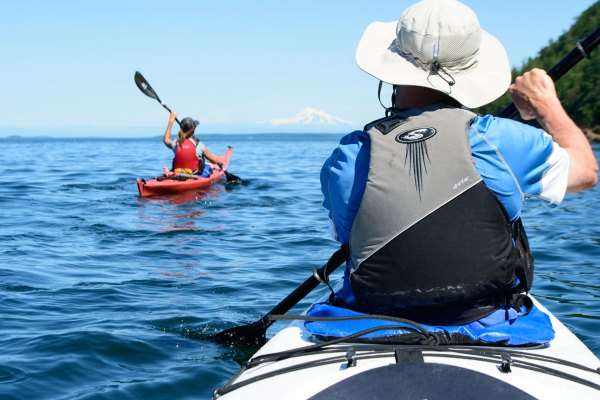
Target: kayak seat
column 504, row 327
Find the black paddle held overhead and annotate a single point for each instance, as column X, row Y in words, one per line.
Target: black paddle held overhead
column 254, row 334
column 582, row 50
column 145, row 87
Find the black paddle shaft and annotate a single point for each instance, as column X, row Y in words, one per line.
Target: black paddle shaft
column 582, row 50
column 306, row 287
column 254, row 334
column 145, row 87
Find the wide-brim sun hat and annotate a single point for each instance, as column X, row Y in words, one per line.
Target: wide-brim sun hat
column 437, row 44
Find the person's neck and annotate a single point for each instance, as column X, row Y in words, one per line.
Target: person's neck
column 418, row 97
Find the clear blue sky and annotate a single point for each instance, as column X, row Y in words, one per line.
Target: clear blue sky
column 67, row 66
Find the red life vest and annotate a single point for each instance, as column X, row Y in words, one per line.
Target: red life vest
column 185, row 156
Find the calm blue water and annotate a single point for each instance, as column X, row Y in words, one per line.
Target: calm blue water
column 104, row 295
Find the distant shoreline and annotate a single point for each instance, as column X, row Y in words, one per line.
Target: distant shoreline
column 592, row 136
column 159, row 137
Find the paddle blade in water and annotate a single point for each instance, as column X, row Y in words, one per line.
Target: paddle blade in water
column 144, row 86
column 231, row 178
column 251, row 335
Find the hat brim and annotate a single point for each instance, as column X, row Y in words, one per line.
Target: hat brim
column 475, row 87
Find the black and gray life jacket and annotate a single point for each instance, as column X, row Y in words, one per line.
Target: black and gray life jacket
column 430, row 241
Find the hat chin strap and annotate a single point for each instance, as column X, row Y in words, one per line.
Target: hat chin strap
column 444, row 75
column 436, row 68
column 392, row 108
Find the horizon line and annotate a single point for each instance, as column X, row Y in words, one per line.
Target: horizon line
column 35, row 136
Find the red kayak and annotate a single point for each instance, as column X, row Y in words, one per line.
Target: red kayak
column 175, row 182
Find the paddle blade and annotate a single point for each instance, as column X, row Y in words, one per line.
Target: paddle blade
column 250, row 336
column 144, row 86
column 231, row 178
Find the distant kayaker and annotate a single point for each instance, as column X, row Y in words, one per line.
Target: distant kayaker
column 189, row 151
column 429, row 198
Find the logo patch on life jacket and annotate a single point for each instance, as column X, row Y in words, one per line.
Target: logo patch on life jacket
column 415, row 135
column 416, row 153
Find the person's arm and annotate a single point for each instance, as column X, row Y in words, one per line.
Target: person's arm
column 343, row 180
column 534, row 95
column 211, row 157
column 167, row 137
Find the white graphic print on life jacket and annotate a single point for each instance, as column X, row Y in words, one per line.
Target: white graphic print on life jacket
column 416, row 152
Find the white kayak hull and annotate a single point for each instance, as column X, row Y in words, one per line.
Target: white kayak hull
column 565, row 368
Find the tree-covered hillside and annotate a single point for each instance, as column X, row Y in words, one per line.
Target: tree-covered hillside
column 579, row 89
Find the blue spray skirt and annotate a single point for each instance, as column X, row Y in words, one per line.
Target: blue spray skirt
column 503, row 327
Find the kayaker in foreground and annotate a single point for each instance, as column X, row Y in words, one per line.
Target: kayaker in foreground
column 429, row 198
column 189, row 151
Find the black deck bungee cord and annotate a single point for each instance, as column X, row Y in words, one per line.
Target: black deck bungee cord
column 429, row 342
column 375, row 351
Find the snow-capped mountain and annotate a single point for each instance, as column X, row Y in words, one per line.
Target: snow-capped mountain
column 310, row 116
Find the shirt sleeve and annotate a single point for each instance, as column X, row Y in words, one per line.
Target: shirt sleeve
column 343, row 181
column 537, row 164
column 556, row 178
column 200, row 149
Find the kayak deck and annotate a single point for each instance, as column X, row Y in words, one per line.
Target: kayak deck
column 565, row 368
column 164, row 185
